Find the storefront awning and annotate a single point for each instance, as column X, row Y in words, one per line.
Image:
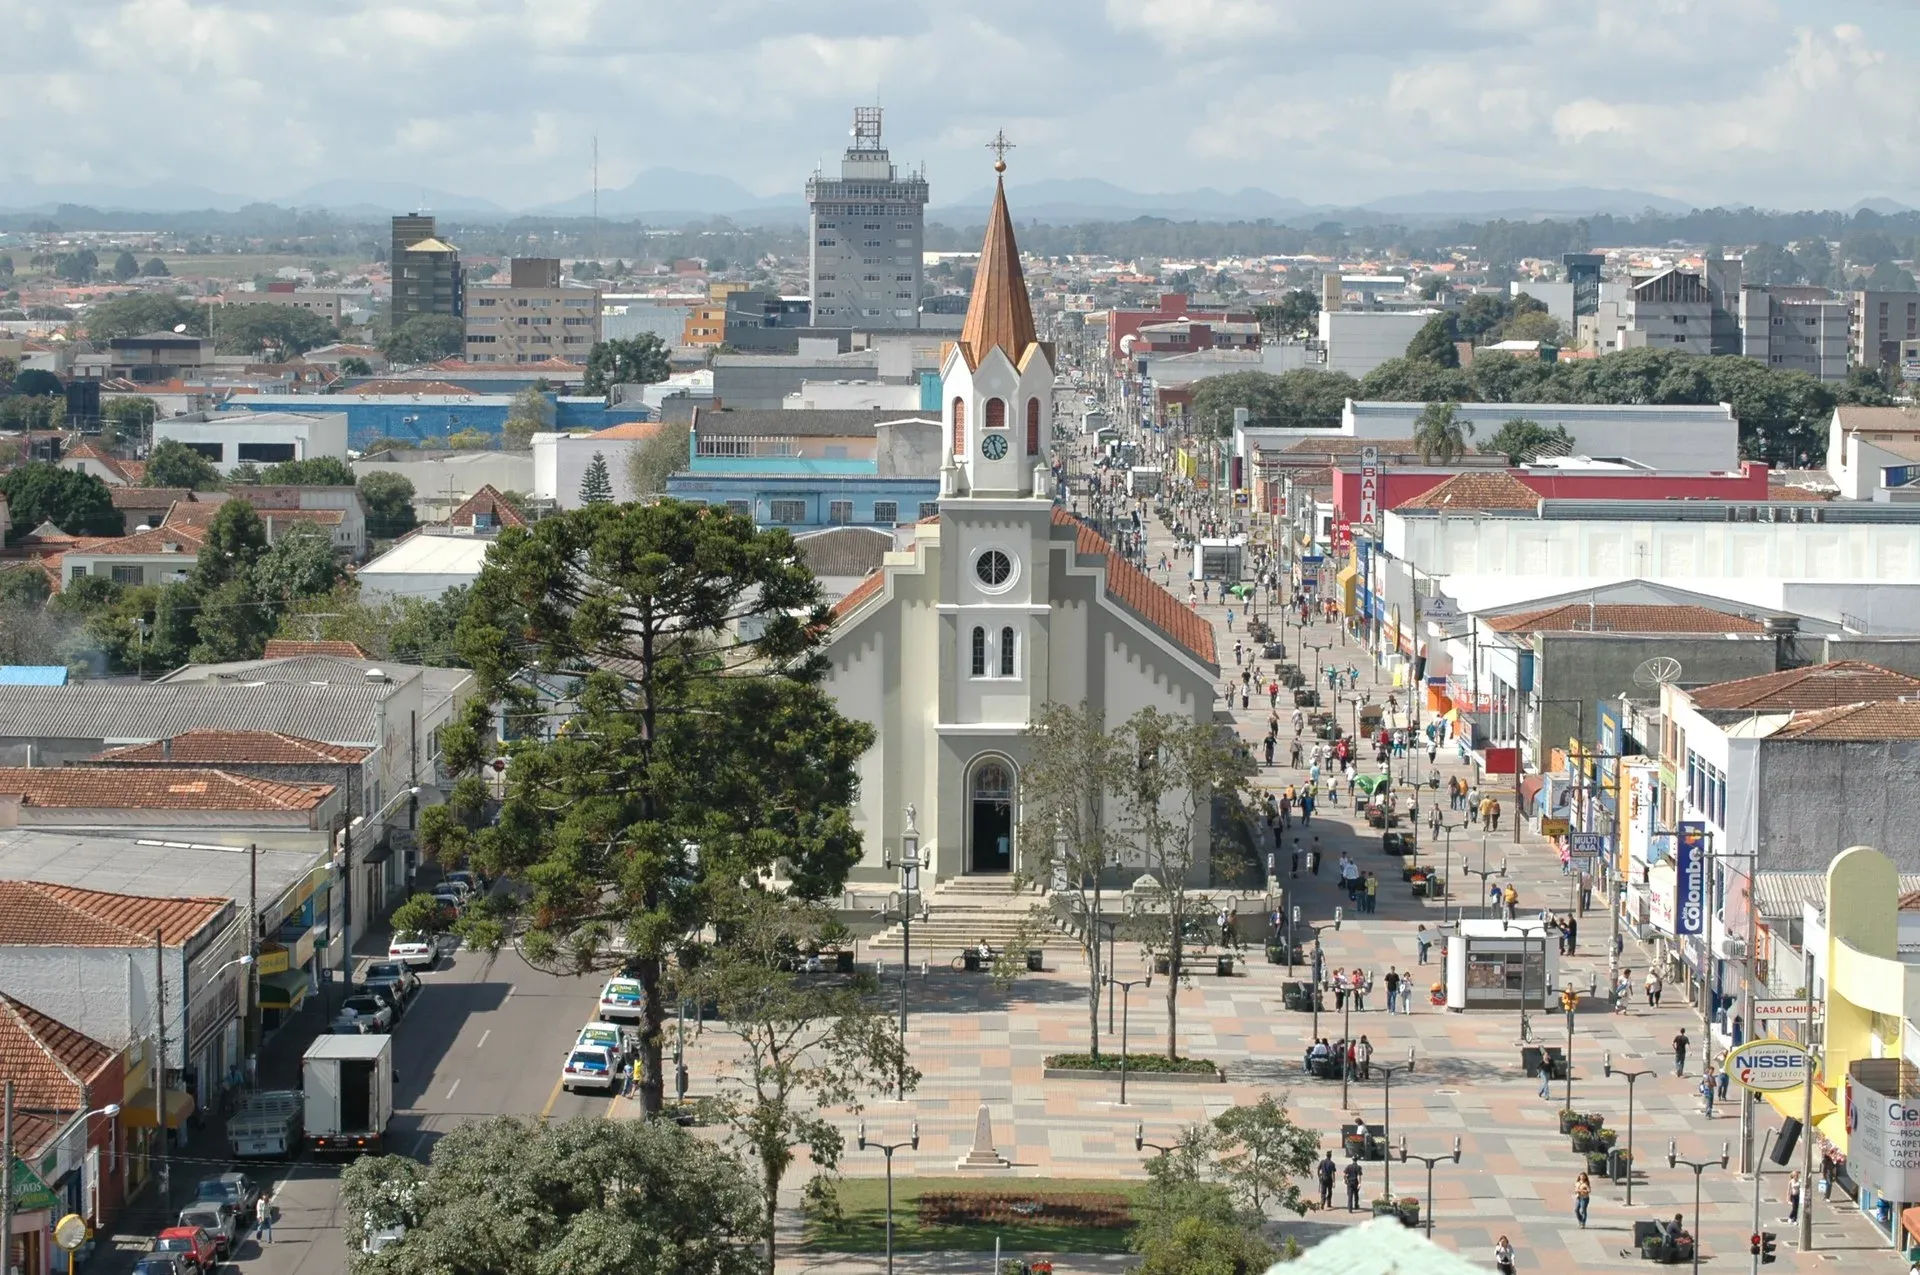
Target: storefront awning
column 1827, row 1118
column 284, row 990
column 1910, row 1223
column 136, row 1111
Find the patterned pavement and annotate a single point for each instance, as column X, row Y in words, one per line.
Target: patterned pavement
column 977, row 1045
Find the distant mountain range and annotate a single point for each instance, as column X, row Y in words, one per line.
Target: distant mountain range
column 666, row 195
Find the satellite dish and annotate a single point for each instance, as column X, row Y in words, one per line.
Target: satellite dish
column 179, row 327
column 1656, row 672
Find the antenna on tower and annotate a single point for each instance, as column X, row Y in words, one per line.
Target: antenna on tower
column 596, row 195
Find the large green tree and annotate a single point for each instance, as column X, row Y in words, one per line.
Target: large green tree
column 637, row 360
column 651, row 463
column 124, row 421
column 1434, row 342
column 702, row 752
column 174, row 464
column 1522, row 440
column 596, row 484
column 314, row 471
column 530, row 413
column 389, row 498
column 1303, row 397
column 425, row 338
column 1440, row 435
column 283, row 330
column 79, row 504
column 141, row 313
column 1293, row 316
column 516, row 1196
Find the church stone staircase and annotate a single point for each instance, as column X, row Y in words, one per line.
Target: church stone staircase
column 966, row 910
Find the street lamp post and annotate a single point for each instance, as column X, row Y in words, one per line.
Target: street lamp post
column 1608, row 1069
column 1674, row 1160
column 1126, row 987
column 1429, row 1161
column 1483, row 872
column 888, row 1148
column 909, row 864
column 1140, row 1142
column 1386, row 1123
column 1113, row 925
column 1446, row 871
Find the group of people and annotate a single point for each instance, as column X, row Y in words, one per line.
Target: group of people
column 1352, row 1059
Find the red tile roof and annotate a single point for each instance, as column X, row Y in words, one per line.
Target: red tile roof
column 243, row 747
column 1132, row 588
column 1856, row 723
column 867, row 588
column 51, row 1066
column 285, row 648
column 1477, row 489
column 487, row 499
column 110, row 788
column 641, row 430
column 1818, row 686
column 148, row 497
column 1622, row 617
column 36, row 914
column 170, row 537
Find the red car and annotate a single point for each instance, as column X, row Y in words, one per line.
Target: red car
column 190, row 1244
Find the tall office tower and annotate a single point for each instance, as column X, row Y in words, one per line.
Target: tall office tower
column 426, row 271
column 868, row 230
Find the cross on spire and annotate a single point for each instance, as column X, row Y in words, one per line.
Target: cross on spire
column 1000, row 146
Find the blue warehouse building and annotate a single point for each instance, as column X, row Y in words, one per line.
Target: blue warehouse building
column 424, row 416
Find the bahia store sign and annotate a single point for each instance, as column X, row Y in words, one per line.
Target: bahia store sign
column 1883, row 1127
column 1767, row 1066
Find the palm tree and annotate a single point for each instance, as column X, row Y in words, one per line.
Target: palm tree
column 1440, row 435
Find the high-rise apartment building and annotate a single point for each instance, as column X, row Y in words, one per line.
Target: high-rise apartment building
column 1878, row 323
column 533, row 318
column 868, row 228
column 426, row 271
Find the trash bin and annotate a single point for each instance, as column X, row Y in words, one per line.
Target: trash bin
column 1223, row 966
column 1530, row 1059
column 971, row 962
column 1036, row 959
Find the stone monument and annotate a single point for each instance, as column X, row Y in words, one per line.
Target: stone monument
column 983, row 1156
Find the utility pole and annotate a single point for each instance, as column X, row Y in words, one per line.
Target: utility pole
column 1807, row 1192
column 6, row 1182
column 253, row 953
column 160, row 1065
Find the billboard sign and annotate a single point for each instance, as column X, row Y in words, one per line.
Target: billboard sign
column 1883, row 1129
column 1767, row 1066
column 1690, row 885
column 1369, row 484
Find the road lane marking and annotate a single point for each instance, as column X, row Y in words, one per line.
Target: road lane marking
column 551, row 1099
column 483, row 1038
column 452, row 1091
column 419, row 1142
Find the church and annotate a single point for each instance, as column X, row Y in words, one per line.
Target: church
column 997, row 606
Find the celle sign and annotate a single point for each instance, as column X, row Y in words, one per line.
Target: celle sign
column 1767, row 1066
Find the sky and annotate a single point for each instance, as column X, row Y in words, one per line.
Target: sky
column 1779, row 103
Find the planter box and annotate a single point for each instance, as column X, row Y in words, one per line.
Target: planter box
column 1136, row 1077
column 1036, row 960
column 1388, row 1209
column 1568, row 1119
column 1410, row 1216
column 843, row 962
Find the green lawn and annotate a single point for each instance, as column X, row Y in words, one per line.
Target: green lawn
column 864, row 1201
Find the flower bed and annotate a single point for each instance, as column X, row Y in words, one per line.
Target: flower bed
column 1142, row 1063
column 1007, row 1208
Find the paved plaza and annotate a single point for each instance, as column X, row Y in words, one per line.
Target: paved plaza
column 1516, row 1175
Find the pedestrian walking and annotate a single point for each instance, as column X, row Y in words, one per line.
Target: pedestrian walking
column 1406, row 995
column 1706, row 1087
column 1340, row 986
column 1572, row 931
column 1362, row 984
column 1503, row 1256
column 1793, row 1197
column 1365, row 1054
column 1393, row 988
column 1546, row 1078
column 1653, row 989
column 1328, row 1172
column 1421, row 942
column 263, row 1217
column 1372, row 894
column 1582, row 1197
column 1353, row 1186
column 1680, row 1043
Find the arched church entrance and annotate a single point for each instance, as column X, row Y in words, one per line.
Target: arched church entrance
column 990, row 816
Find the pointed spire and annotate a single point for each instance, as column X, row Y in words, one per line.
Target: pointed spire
column 999, row 313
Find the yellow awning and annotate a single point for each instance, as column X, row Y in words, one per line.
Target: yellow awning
column 136, row 1112
column 1827, row 1117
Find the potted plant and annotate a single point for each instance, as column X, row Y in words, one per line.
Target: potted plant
column 1597, row 1163
column 837, row 939
column 1409, row 1211
column 1357, row 1147
column 1606, row 1138
column 1386, row 1206
column 1582, row 1137
column 1568, row 1118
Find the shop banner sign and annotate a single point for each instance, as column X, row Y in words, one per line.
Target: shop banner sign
column 1767, row 1066
column 1883, row 1140
column 1690, row 903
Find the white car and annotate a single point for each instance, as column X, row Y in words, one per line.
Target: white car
column 414, row 950
column 607, row 1036
column 590, row 1067
column 622, row 1000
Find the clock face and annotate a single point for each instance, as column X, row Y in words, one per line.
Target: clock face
column 993, row 446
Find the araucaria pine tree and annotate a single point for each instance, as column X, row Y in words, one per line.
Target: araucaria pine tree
column 596, row 485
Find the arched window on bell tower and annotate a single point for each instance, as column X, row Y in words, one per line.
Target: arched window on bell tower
column 1033, row 427
column 959, row 426
column 996, row 413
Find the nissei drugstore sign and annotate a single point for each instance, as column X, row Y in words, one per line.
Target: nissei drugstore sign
column 1767, row 1066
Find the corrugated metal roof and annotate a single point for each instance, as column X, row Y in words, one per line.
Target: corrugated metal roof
column 122, row 712
column 1781, row 895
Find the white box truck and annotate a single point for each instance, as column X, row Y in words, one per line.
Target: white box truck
column 267, row 1125
column 348, row 1083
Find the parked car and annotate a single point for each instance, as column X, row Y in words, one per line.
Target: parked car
column 416, row 951
column 352, row 1025
column 164, row 1264
column 384, row 1238
column 217, row 1219
column 391, row 972
column 190, row 1243
column 236, row 1189
column 451, row 898
column 590, row 1067
column 387, row 994
column 607, row 1036
column 368, row 1007
column 472, row 880
column 622, row 1001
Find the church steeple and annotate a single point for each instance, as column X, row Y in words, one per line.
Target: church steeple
column 999, row 313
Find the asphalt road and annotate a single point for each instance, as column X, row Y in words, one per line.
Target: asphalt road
column 484, row 1037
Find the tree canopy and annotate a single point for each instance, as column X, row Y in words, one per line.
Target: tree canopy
column 1522, row 440
column 516, row 1196
column 79, row 504
column 637, row 360
column 284, row 330
column 389, row 498
column 596, row 484
column 1440, row 435
column 1434, row 342
column 425, row 338
column 312, row 471
column 141, row 313
column 650, row 464
column 1301, row 397
column 174, row 464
